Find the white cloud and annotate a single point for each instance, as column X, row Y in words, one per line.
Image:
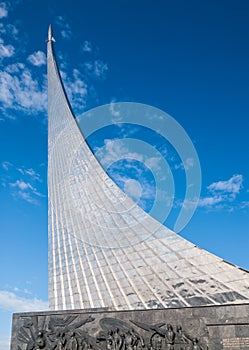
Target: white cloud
column 6, row 50
column 66, row 31
column 87, row 46
column 14, row 68
column 189, row 163
column 3, row 10
column 186, row 165
column 153, row 163
column 38, row 58
column 22, row 185
column 233, row 185
column 210, row 201
column 31, row 172
column 6, row 165
column 222, row 193
column 12, row 30
column 25, row 290
column 133, row 189
column 25, row 191
column 100, row 68
column 5, row 342
column 114, row 111
column 97, row 69
column 244, row 205
column 76, row 88
column 139, row 190
column 25, row 188
column 9, row 29
column 11, row 302
column 113, row 151
column 148, row 191
column 26, row 196
column 20, row 91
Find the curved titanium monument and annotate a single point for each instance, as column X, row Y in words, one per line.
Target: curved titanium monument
column 104, row 251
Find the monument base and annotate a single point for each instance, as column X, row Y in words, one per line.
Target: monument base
column 197, row 328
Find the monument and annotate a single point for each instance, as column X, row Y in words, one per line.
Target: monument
column 111, row 264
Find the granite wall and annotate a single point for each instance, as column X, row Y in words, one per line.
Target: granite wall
column 209, row 327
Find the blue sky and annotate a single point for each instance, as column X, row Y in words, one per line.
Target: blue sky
column 189, row 59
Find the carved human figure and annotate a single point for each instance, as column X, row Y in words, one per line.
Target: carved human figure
column 195, row 345
column 118, row 341
column 138, row 341
column 60, row 341
column 129, row 340
column 156, row 342
column 83, row 344
column 72, row 343
column 182, row 338
column 37, row 342
column 40, row 340
column 110, row 340
column 170, row 337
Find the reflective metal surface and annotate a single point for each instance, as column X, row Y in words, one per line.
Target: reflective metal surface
column 104, row 251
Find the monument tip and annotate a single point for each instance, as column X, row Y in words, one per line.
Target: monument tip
column 50, row 34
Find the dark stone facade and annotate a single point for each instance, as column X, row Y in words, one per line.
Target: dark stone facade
column 197, row 328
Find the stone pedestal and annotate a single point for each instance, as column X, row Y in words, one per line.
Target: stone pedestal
column 209, row 327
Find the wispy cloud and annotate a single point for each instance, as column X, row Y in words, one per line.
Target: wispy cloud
column 87, row 46
column 9, row 29
column 77, row 89
column 20, row 91
column 132, row 171
column 3, row 10
column 96, row 69
column 115, row 112
column 6, row 165
column 66, row 31
column 231, row 186
column 30, row 172
column 133, row 189
column 244, row 204
column 153, row 162
column 23, row 91
column 25, row 191
column 211, row 201
column 25, row 290
column 38, row 58
column 186, row 165
column 6, row 50
column 10, row 301
column 24, row 187
column 222, row 193
column 114, row 150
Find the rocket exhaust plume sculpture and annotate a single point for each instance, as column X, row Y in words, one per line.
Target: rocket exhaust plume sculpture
column 104, row 250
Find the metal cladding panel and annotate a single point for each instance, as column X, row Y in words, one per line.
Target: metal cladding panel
column 105, row 251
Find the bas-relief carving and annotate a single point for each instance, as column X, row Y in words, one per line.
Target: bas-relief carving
column 54, row 333
column 68, row 333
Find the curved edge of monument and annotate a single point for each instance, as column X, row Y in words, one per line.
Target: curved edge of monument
column 198, row 328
